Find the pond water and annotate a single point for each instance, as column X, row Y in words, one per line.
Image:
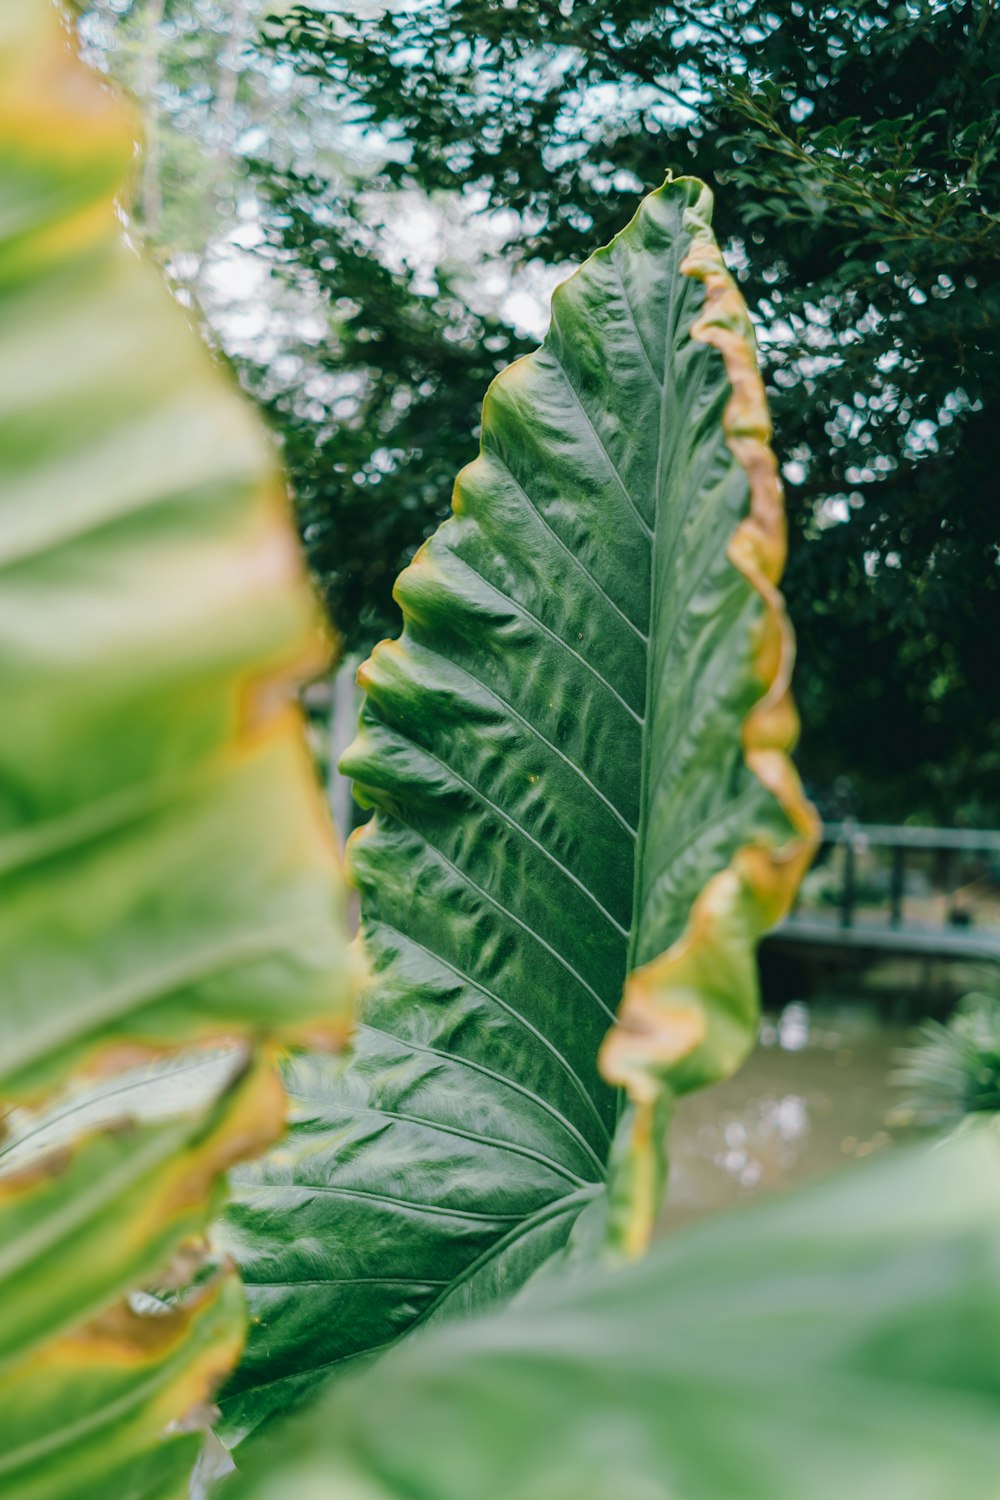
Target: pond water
column 817, row 1092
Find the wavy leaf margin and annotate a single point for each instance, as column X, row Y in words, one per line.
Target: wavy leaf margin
column 666, row 1040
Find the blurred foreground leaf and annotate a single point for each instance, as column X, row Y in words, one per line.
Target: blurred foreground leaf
column 167, row 877
column 844, row 1341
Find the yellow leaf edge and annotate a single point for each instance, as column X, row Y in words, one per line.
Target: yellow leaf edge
column 159, row 1373
column 688, row 1017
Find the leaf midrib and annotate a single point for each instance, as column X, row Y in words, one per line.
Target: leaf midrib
column 678, row 286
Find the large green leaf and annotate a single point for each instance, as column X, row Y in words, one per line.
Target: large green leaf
column 167, row 875
column 577, row 753
column 841, row 1342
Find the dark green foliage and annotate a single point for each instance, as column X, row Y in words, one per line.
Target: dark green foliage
column 373, row 465
column 854, row 149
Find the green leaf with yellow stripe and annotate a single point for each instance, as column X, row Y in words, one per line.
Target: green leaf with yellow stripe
column 168, row 879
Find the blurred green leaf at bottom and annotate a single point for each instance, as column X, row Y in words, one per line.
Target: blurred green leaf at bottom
column 841, row 1342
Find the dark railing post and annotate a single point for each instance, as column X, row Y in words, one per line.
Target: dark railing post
column 896, row 887
column 847, row 894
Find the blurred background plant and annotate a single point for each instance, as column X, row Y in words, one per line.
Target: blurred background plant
column 953, row 1070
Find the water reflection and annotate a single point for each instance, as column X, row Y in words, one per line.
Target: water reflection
column 815, row 1093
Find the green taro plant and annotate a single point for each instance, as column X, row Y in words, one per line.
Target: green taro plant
column 584, row 815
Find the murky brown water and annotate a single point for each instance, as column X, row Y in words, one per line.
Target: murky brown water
column 815, row 1094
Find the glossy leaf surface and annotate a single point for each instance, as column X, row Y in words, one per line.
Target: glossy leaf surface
column 167, row 877
column 576, row 753
column 841, row 1341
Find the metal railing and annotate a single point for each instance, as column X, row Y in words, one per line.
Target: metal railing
column 855, row 838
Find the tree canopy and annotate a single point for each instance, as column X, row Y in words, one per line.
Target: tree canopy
column 854, row 153
column 394, row 153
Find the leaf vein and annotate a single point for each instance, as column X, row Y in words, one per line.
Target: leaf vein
column 658, row 380
column 601, row 446
column 574, row 558
column 505, row 911
column 519, row 828
column 337, row 1190
column 547, row 630
column 506, row 1006
column 511, row 1083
